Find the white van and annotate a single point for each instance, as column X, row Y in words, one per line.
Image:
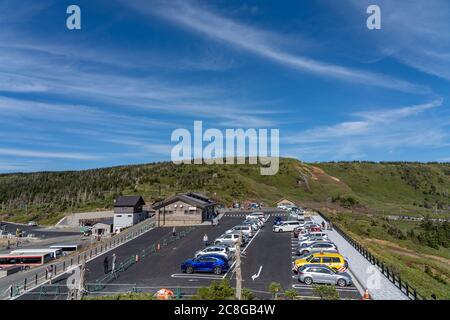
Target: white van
column 286, row 226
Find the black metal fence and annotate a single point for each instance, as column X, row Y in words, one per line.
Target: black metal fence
column 386, row 270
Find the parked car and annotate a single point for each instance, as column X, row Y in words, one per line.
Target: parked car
column 313, row 235
column 217, row 250
column 311, row 273
column 300, row 231
column 246, row 230
column 206, row 263
column 253, row 224
column 260, row 221
column 231, row 247
column 311, row 240
column 277, row 221
column 319, row 246
column 333, row 260
column 258, row 215
column 230, row 238
column 32, row 224
column 245, row 238
column 286, row 226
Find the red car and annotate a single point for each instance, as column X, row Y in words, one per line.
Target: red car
column 314, row 229
column 299, row 231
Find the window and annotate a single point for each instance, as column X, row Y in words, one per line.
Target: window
column 323, row 270
column 315, row 260
column 336, row 260
column 130, row 215
column 327, row 260
column 119, row 216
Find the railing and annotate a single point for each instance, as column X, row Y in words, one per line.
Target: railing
column 67, row 263
column 392, row 276
column 101, row 283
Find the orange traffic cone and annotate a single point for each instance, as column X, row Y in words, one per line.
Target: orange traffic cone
column 366, row 295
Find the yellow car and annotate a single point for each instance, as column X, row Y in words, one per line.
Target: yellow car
column 332, row 260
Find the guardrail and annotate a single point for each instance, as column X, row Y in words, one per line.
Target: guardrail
column 392, row 276
column 62, row 265
column 99, row 284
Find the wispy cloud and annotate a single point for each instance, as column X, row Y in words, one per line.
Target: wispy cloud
column 46, row 154
column 385, row 130
column 264, row 44
column 414, row 32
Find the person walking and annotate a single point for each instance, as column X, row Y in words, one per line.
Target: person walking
column 205, row 240
column 50, row 273
column 174, row 232
column 323, row 224
column 113, row 263
column 106, row 265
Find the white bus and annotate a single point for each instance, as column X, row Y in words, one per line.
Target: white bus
column 66, row 248
column 56, row 252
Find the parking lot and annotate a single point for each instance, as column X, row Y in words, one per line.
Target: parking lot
column 266, row 258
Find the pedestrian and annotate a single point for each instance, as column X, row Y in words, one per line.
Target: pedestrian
column 323, row 224
column 205, row 240
column 113, row 263
column 212, row 221
column 174, row 232
column 106, row 265
column 50, row 273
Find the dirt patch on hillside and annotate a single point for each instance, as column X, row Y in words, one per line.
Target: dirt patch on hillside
column 320, row 175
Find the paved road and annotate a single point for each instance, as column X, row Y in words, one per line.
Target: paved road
column 39, row 232
column 364, row 271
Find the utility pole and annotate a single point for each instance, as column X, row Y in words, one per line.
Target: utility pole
column 238, row 270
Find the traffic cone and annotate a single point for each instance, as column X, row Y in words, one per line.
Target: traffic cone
column 366, row 295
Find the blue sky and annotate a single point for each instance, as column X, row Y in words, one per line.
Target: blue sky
column 113, row 92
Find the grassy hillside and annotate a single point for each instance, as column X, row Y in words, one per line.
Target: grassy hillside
column 389, row 188
column 396, row 188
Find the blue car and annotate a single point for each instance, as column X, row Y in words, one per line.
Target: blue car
column 277, row 221
column 206, row 263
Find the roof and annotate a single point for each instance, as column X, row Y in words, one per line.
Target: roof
column 285, row 199
column 129, row 201
column 106, row 222
column 194, row 199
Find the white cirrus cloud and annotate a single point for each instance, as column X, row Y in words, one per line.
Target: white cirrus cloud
column 262, row 43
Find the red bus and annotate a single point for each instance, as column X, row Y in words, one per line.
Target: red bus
column 25, row 260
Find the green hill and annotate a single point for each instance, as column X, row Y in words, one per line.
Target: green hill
column 384, row 187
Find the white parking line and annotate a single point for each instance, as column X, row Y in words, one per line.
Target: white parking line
column 197, row 276
column 243, row 250
column 304, row 286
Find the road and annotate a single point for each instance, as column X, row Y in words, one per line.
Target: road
column 39, row 232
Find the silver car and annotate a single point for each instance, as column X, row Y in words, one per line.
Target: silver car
column 317, row 247
column 313, row 273
column 219, row 250
column 310, row 241
column 245, row 229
